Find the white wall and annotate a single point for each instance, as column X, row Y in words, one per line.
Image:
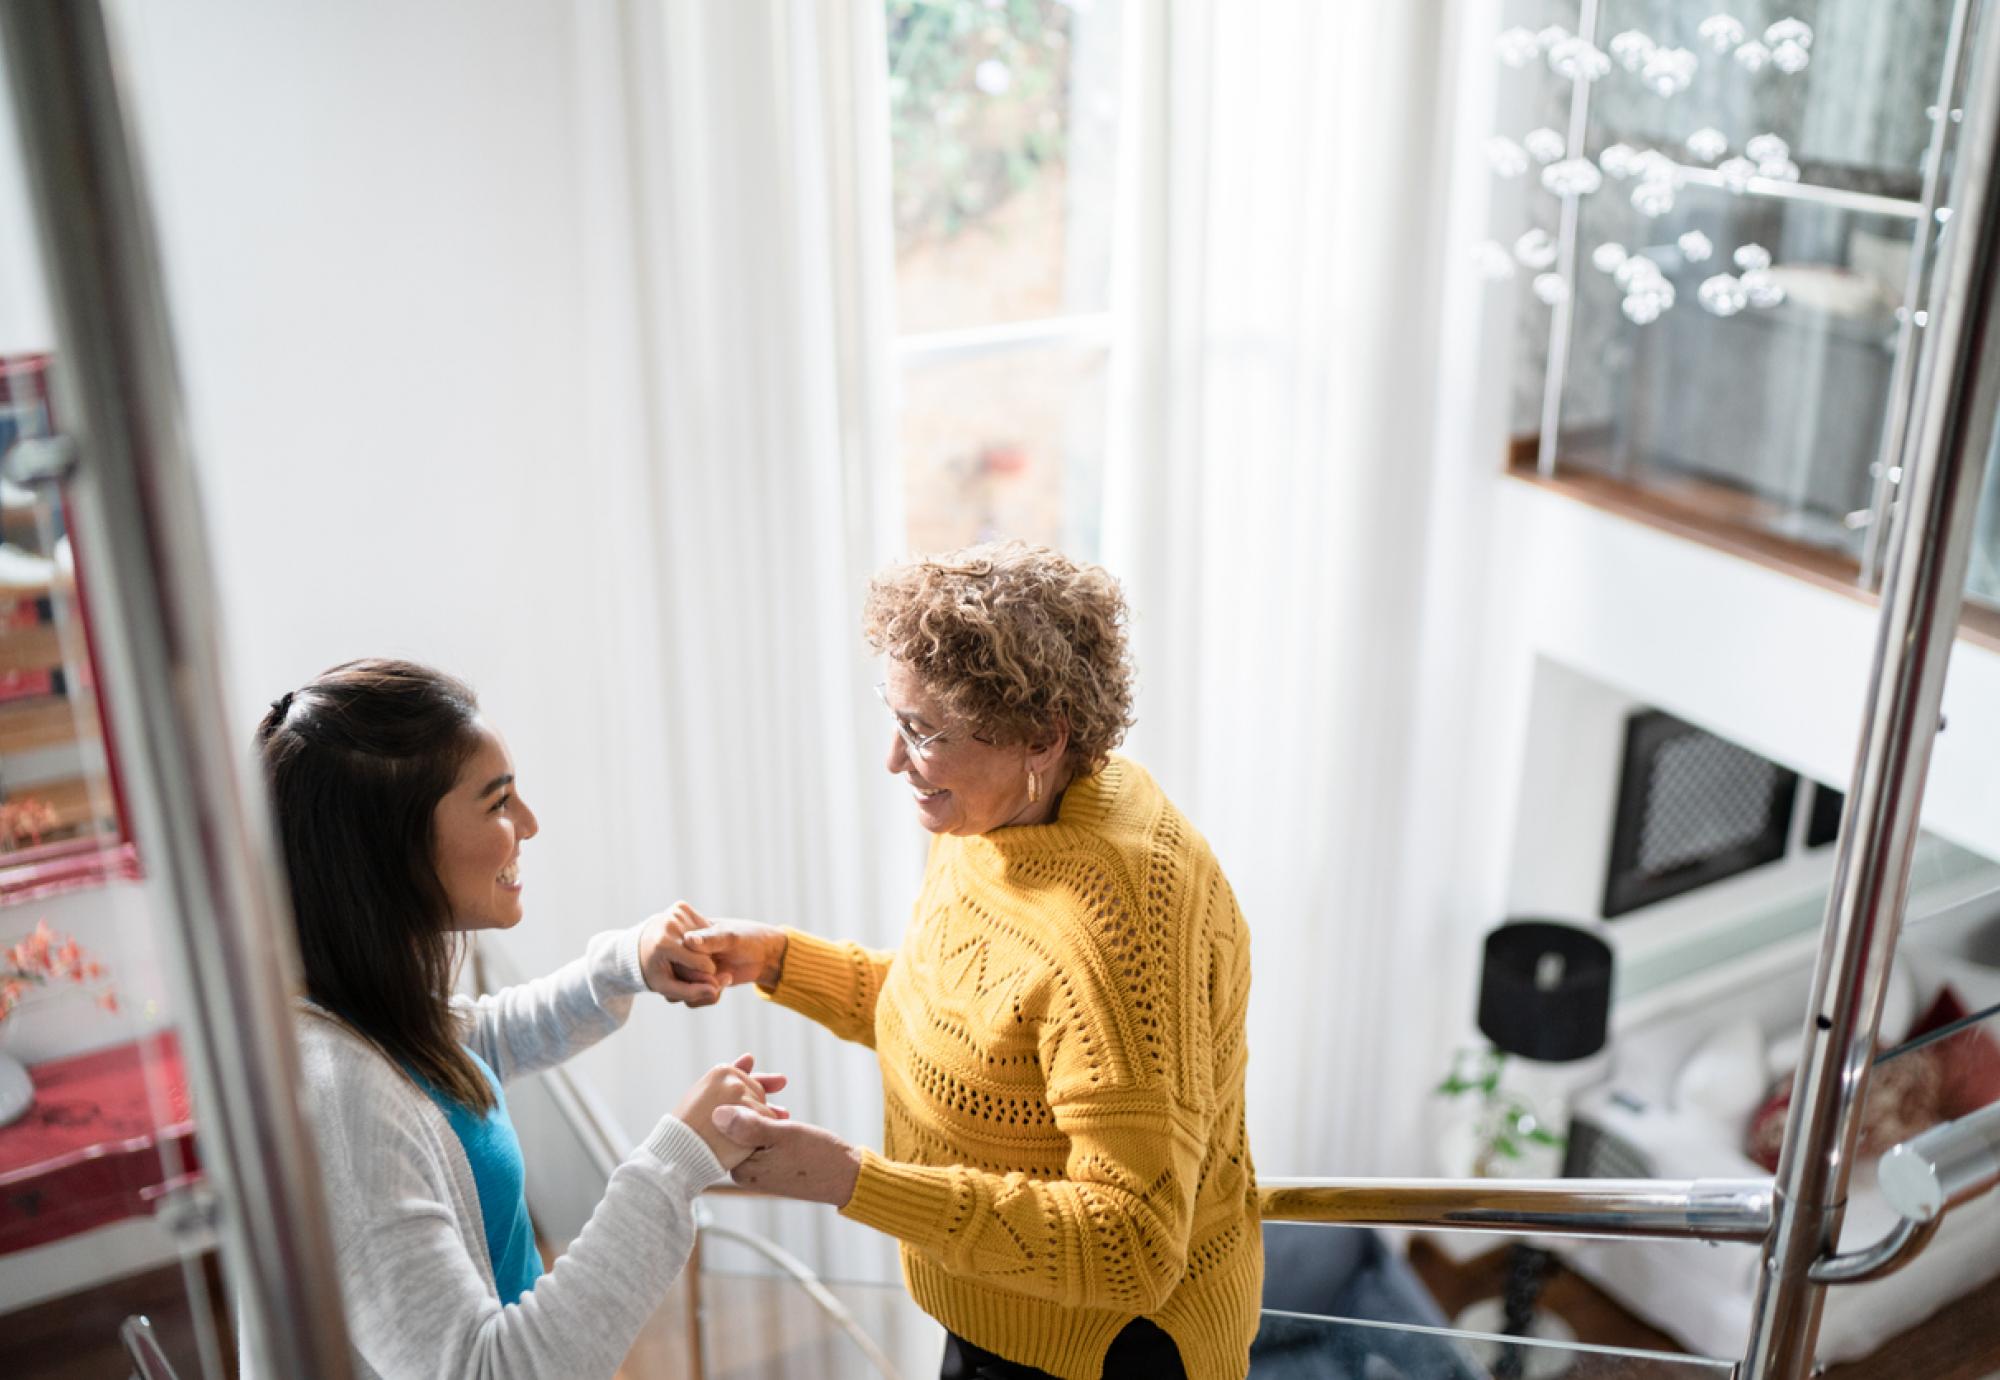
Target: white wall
column 1766, row 660
column 1572, row 767
column 372, row 247
column 375, row 259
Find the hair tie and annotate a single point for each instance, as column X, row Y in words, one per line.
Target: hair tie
column 282, row 706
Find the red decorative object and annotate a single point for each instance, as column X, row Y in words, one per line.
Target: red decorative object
column 1969, row 1061
column 23, row 821
column 42, row 958
column 1938, row 1083
column 96, row 1149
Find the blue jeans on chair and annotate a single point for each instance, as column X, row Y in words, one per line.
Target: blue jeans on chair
column 1346, row 1272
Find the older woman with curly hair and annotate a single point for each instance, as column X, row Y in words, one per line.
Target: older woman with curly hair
column 1060, row 1034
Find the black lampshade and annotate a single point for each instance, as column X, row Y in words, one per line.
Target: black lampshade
column 1545, row 992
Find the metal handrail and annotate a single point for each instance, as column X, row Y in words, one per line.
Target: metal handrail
column 1929, row 551
column 1885, row 1257
column 1903, row 385
column 1923, row 1179
column 1928, row 1176
column 1644, row 1209
column 202, row 828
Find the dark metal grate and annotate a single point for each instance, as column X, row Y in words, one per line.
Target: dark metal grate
column 1596, row 1152
column 1692, row 809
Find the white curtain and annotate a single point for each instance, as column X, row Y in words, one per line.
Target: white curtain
column 1281, row 507
column 735, row 180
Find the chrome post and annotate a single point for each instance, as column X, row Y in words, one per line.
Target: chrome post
column 1566, row 229
column 201, row 827
column 1903, row 401
column 1929, row 548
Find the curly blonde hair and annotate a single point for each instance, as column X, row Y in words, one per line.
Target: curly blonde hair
column 1010, row 636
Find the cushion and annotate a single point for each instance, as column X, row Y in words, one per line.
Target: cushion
column 1969, row 1062
column 1724, row 1079
column 1938, row 1083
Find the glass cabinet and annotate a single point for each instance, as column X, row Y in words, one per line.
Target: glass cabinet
column 1723, row 221
column 61, row 823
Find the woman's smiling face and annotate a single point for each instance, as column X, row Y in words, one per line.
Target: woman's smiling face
column 478, row 829
column 961, row 785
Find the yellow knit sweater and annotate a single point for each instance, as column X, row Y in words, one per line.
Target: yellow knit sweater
column 1061, row 1041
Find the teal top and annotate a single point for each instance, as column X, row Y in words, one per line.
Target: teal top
column 498, row 1174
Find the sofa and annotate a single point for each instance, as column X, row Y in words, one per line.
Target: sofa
column 1682, row 1101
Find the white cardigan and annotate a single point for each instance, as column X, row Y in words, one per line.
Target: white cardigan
column 408, row 1237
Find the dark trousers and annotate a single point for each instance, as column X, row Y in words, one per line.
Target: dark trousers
column 1140, row 1351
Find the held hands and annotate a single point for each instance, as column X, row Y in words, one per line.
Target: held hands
column 789, row 1159
column 669, row 966
column 690, row 958
column 734, row 1089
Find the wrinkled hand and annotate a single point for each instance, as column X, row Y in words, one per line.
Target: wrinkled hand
column 790, row 1159
column 737, row 951
column 735, row 1089
column 670, row 968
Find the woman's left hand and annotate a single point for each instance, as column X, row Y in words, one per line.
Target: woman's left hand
column 670, row 968
column 790, row 1158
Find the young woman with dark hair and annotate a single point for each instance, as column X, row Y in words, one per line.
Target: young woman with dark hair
column 401, row 826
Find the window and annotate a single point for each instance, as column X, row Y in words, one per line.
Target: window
column 1003, row 119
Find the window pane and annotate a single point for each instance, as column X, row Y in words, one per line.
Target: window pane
column 1002, row 114
column 1005, row 445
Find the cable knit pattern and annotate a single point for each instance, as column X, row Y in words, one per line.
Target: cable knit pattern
column 1061, row 1042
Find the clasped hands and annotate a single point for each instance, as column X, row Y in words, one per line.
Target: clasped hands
column 691, row 959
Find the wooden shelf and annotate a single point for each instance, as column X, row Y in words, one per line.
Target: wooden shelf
column 38, row 723
column 31, row 649
column 72, row 802
column 1730, row 521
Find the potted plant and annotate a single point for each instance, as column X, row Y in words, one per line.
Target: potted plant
column 1504, row 1122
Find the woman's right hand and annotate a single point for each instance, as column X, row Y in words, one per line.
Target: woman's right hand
column 741, row 950
column 729, row 1085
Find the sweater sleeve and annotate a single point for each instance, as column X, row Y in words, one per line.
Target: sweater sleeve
column 833, row 982
column 1111, row 1233
column 536, row 1025
column 419, row 1305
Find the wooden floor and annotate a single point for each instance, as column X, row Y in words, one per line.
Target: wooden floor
column 1960, row 1342
column 76, row 1337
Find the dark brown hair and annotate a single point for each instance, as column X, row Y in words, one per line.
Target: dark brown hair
column 357, row 761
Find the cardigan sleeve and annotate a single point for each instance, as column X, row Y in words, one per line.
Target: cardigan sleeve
column 535, row 1025
column 1111, row 1233
column 836, row 983
column 1113, row 1230
column 419, row 1306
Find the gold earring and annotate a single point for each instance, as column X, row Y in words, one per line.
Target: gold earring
column 1034, row 786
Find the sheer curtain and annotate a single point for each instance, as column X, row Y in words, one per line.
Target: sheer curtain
column 735, row 176
column 1288, row 518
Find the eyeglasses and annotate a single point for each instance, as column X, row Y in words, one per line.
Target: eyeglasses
column 919, row 744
